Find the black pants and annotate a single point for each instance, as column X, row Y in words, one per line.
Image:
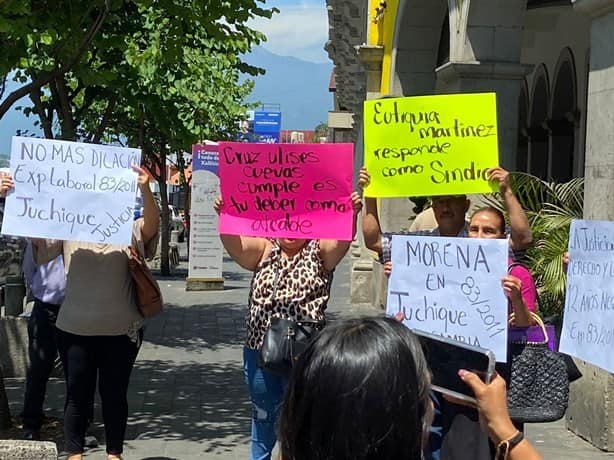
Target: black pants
column 110, row 360
column 42, row 350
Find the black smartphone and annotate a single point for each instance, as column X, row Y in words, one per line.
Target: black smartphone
column 446, row 356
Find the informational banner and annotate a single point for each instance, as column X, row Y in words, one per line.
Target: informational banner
column 71, row 191
column 286, row 190
column 205, row 244
column 267, row 126
column 430, row 145
column 451, row 287
column 588, row 325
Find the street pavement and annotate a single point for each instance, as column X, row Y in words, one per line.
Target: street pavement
column 187, row 397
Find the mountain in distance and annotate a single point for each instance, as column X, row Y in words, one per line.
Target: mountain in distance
column 299, row 87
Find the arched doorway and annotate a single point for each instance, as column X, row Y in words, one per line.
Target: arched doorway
column 522, row 148
column 538, row 131
column 564, row 116
column 417, row 46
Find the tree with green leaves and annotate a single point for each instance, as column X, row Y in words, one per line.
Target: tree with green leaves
column 155, row 74
column 160, row 75
column 321, row 130
column 41, row 41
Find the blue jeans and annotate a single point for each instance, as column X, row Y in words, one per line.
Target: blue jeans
column 433, row 449
column 266, row 392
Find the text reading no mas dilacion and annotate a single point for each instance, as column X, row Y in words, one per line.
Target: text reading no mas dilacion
column 78, row 155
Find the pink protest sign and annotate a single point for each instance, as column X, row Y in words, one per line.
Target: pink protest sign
column 286, row 190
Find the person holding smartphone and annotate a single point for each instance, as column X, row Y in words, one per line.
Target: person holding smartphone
column 361, row 392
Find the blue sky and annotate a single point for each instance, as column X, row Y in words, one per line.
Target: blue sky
column 299, row 30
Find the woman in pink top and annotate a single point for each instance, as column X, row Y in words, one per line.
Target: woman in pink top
column 462, row 437
column 518, row 284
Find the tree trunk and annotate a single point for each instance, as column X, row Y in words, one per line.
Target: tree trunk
column 165, row 268
column 5, row 412
column 186, row 214
column 186, row 187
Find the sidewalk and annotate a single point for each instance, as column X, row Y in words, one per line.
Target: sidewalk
column 187, row 397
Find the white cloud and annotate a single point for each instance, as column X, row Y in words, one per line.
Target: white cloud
column 300, row 31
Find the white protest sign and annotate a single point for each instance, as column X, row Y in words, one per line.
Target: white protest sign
column 206, row 250
column 71, row 191
column 451, row 287
column 588, row 325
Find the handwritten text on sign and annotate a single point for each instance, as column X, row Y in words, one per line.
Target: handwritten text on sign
column 451, row 287
column 286, row 190
column 588, row 326
column 71, row 191
column 430, row 145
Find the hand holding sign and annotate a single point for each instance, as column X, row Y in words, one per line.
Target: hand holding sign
column 6, row 185
column 143, row 178
column 502, row 177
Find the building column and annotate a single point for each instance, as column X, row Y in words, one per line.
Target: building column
column 485, row 49
column 591, row 400
column 361, row 278
column 504, row 79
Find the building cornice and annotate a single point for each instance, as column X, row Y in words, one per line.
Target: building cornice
column 595, row 8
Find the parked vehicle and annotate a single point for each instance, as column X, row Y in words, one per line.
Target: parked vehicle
column 176, row 221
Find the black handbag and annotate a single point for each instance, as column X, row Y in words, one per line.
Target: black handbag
column 284, row 342
column 538, row 384
column 285, row 339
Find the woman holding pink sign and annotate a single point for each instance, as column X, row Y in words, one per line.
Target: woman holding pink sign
column 291, row 282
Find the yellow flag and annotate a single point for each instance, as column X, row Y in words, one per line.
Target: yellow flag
column 430, row 145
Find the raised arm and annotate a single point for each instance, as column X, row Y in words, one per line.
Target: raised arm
column 371, row 229
column 521, row 237
column 514, row 288
column 151, row 215
column 332, row 251
column 245, row 250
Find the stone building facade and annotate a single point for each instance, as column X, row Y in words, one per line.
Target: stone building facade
column 551, row 63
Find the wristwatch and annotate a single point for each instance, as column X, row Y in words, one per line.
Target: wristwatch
column 504, row 447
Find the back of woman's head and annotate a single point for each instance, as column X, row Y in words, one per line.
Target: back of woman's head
column 359, row 392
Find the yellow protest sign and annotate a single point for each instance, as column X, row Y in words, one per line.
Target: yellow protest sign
column 430, row 145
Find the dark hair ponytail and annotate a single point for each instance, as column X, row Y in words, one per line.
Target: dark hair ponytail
column 359, row 392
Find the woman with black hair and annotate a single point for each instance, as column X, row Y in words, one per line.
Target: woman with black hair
column 361, row 392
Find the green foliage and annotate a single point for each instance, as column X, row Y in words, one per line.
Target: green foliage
column 158, row 74
column 550, row 208
column 175, row 63
column 321, row 130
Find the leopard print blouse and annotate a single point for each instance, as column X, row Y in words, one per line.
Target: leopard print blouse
column 302, row 290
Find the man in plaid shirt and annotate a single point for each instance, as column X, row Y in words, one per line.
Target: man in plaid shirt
column 449, row 213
